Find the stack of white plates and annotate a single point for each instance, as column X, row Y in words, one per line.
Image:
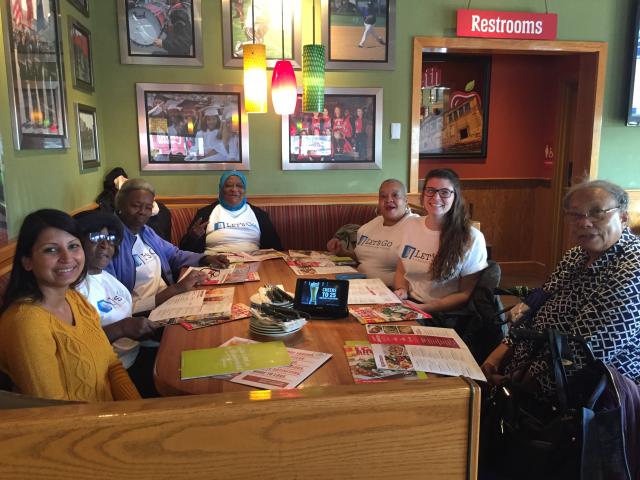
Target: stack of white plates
column 262, row 325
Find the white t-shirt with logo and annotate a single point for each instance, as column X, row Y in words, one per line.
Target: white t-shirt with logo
column 419, row 246
column 378, row 248
column 113, row 302
column 148, row 276
column 232, row 231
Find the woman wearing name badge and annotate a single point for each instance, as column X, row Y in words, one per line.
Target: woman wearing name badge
column 230, row 224
column 441, row 255
column 377, row 242
column 51, row 342
column 101, row 236
column 145, row 263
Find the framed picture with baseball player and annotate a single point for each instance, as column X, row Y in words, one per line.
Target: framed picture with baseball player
column 454, row 105
column 88, row 152
column 81, row 5
column 360, row 34
column 35, row 72
column 274, row 23
column 160, row 32
column 347, row 135
column 81, row 59
column 192, row 127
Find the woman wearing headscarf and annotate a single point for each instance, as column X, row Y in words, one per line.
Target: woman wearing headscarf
column 230, row 224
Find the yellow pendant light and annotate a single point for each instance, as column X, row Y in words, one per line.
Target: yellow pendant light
column 255, row 72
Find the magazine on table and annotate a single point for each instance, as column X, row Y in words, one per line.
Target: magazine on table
column 194, row 322
column 303, row 364
column 363, row 291
column 428, row 349
column 212, row 303
column 254, row 256
column 234, row 273
column 316, row 266
column 386, row 312
column 364, row 369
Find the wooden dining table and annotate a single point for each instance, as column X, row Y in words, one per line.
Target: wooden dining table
column 326, row 336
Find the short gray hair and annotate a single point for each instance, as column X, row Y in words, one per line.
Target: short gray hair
column 394, row 180
column 617, row 192
column 130, row 186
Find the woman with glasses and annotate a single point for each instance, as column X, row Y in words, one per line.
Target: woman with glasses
column 51, row 343
column 377, row 242
column 441, row 254
column 101, row 235
column 594, row 293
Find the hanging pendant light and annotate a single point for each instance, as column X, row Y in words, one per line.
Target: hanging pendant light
column 284, row 92
column 313, row 73
column 255, row 78
column 283, row 88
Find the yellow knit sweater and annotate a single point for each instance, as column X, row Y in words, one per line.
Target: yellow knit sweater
column 48, row 358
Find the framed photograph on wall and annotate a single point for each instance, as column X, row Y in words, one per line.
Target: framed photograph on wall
column 160, row 32
column 360, row 34
column 275, row 23
column 81, row 58
column 36, row 76
column 81, row 5
column 454, row 111
column 88, row 151
column 192, row 127
column 347, row 135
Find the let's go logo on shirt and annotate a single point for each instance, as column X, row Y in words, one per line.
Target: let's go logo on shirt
column 144, row 257
column 365, row 241
column 223, row 225
column 412, row 253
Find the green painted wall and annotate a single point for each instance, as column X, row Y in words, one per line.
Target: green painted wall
column 38, row 179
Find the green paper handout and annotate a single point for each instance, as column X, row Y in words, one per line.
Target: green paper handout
column 207, row 362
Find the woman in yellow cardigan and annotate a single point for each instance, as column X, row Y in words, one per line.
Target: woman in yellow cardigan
column 51, row 342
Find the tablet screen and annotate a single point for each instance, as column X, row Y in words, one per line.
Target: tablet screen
column 322, row 296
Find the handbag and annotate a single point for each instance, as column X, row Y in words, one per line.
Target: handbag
column 579, row 435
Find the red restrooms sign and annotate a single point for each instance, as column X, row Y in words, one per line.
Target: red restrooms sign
column 490, row 24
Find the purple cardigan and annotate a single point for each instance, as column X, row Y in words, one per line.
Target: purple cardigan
column 123, row 267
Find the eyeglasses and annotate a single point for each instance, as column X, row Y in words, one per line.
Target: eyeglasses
column 442, row 192
column 593, row 215
column 97, row 237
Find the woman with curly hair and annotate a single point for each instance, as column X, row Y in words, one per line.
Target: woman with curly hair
column 441, row 254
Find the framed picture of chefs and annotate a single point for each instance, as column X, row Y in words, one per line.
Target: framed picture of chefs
column 160, row 32
column 346, row 135
column 360, row 34
column 88, row 151
column 36, row 77
column 274, row 23
column 192, row 127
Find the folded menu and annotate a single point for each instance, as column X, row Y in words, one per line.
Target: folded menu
column 235, row 273
column 254, row 256
column 214, row 303
column 363, row 366
column 428, row 349
column 363, row 291
column 390, row 312
column 208, row 362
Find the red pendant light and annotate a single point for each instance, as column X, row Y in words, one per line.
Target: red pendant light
column 283, row 88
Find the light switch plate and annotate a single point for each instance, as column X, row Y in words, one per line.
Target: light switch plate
column 395, row 131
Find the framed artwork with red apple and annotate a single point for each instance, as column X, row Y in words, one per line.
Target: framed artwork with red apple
column 454, row 109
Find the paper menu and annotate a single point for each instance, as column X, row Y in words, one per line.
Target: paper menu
column 429, row 349
column 254, row 256
column 235, row 273
column 385, row 312
column 216, row 361
column 303, row 364
column 370, row 291
column 209, row 303
column 364, row 369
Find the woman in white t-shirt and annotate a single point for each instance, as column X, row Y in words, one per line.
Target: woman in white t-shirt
column 230, row 224
column 441, row 255
column 378, row 241
column 102, row 233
